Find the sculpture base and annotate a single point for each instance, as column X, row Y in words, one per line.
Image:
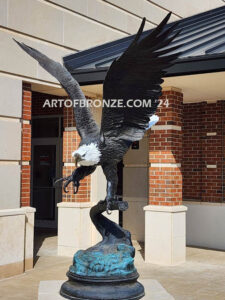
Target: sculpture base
column 83, row 288
column 105, row 271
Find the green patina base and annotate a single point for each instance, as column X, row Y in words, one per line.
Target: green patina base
column 119, row 262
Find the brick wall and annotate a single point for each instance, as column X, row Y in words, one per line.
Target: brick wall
column 165, row 152
column 26, row 145
column 202, row 151
column 71, row 141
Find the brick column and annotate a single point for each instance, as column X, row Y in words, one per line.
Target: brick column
column 165, row 153
column 26, row 146
column 71, row 140
column 165, row 184
column 26, row 176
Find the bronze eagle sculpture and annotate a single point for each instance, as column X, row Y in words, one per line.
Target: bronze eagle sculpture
column 136, row 74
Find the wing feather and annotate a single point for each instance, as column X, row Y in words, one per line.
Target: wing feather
column 86, row 125
column 137, row 74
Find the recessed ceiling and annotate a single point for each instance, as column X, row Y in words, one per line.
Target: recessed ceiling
column 47, row 89
column 200, row 87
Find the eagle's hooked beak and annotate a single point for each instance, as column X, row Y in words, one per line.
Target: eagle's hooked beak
column 77, row 158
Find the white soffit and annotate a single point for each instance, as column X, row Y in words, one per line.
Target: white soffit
column 196, row 88
column 48, row 89
column 200, row 87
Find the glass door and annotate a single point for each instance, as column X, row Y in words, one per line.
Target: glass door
column 44, row 172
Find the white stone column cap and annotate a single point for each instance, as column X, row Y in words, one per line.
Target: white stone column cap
column 29, row 209
column 16, row 211
column 162, row 208
column 75, row 204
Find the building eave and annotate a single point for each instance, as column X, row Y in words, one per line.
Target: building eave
column 185, row 66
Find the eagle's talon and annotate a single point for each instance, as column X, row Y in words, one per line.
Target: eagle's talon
column 68, row 181
column 65, row 188
column 76, row 185
column 109, row 204
column 60, row 179
column 108, row 209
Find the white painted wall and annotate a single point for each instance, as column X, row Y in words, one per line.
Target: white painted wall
column 10, row 133
column 9, row 186
column 10, row 97
column 206, row 225
column 186, row 8
column 10, row 141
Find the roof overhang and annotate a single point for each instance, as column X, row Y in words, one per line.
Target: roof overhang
column 201, row 50
column 182, row 67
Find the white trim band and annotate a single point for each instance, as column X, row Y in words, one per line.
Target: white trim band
column 25, row 122
column 69, row 164
column 211, row 133
column 70, row 128
column 211, row 166
column 166, row 127
column 164, row 165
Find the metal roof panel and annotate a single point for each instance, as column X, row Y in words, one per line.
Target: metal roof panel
column 202, row 34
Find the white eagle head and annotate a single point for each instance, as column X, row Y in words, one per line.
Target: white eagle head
column 87, row 155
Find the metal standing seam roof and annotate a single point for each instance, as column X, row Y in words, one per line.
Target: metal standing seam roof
column 203, row 49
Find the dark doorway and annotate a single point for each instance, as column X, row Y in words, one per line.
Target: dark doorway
column 46, row 167
column 44, row 173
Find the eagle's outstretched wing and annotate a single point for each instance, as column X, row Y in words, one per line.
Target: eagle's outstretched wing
column 137, row 74
column 86, row 125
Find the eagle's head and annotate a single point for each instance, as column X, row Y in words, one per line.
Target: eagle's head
column 87, row 155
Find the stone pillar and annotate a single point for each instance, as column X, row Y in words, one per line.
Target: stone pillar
column 74, row 225
column 17, row 235
column 165, row 216
column 29, row 238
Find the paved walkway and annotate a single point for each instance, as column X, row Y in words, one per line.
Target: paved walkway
column 202, row 277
